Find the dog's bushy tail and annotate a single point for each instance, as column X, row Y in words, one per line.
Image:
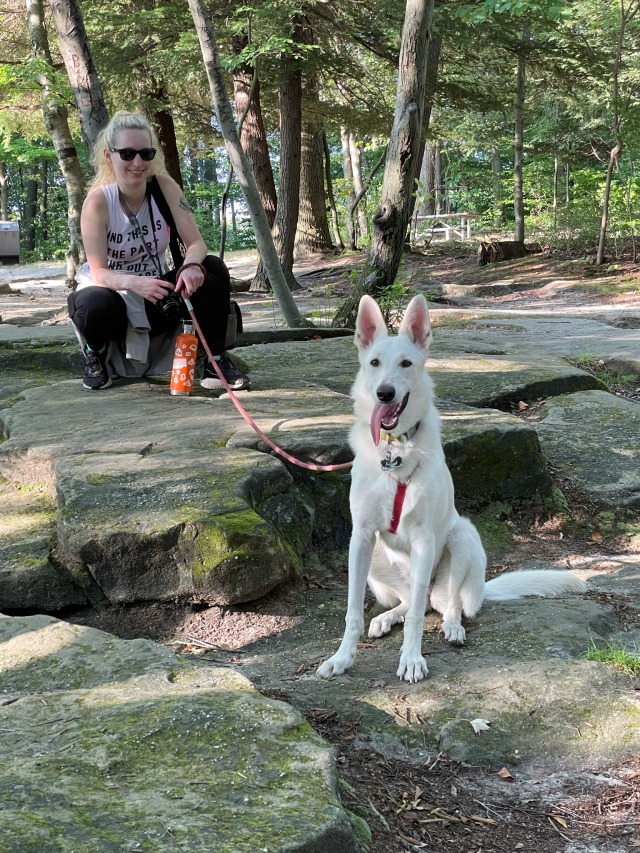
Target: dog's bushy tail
column 532, row 582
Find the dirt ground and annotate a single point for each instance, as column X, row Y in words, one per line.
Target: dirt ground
column 436, row 804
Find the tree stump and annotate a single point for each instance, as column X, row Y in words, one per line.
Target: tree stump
column 493, row 251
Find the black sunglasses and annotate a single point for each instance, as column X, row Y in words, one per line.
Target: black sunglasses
column 130, row 153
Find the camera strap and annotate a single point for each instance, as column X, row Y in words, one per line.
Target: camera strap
column 133, row 221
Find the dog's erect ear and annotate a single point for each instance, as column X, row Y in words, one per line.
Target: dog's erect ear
column 369, row 322
column 416, row 324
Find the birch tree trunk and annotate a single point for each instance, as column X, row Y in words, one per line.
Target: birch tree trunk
column 85, row 85
column 402, row 163
column 356, row 168
column 347, row 171
column 57, row 125
column 337, row 237
column 239, row 161
column 4, row 192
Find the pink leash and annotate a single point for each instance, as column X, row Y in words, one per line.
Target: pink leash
column 310, row 466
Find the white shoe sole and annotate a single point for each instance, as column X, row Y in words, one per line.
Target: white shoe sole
column 107, row 384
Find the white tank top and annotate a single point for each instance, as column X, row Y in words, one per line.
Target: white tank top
column 125, row 246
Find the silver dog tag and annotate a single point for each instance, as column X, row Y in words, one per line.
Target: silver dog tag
column 391, row 461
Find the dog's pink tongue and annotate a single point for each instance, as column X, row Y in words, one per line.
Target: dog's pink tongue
column 380, row 412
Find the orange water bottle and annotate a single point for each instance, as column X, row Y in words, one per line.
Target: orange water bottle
column 184, row 361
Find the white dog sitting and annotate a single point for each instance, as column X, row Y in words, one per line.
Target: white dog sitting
column 408, row 541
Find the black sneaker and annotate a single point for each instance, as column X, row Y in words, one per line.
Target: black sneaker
column 236, row 380
column 96, row 375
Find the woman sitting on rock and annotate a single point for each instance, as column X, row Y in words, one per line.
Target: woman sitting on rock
column 121, row 313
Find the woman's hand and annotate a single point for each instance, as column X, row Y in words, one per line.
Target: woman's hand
column 153, row 289
column 189, row 280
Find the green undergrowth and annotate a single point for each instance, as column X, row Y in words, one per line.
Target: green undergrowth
column 610, row 286
column 611, row 378
column 618, row 657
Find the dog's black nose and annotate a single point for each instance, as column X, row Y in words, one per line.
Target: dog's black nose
column 386, row 393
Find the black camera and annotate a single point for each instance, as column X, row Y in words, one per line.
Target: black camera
column 171, row 306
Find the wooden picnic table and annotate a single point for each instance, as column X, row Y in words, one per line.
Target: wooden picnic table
column 442, row 223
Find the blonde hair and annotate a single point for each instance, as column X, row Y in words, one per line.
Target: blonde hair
column 106, row 139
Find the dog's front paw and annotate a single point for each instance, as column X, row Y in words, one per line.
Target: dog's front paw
column 336, row 665
column 454, row 632
column 382, row 624
column 412, row 668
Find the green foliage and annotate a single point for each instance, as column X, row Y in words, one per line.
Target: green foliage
column 616, row 656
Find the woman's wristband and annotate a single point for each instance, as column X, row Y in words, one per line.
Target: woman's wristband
column 190, row 264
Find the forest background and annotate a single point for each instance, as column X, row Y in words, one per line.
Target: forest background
column 530, row 119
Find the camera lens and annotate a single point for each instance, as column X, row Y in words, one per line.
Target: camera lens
column 171, row 307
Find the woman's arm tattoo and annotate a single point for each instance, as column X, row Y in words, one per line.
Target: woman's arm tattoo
column 183, row 203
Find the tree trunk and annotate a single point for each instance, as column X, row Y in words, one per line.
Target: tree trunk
column 439, row 198
column 163, row 121
column 627, row 13
column 44, row 202
column 337, row 237
column 433, row 63
column 31, row 202
column 556, row 173
column 427, row 181
column 85, row 84
column 402, row 163
column 253, row 138
column 211, row 177
column 518, row 143
column 356, row 168
column 4, row 192
column 614, row 156
column 284, row 227
column 57, row 125
column 347, row 171
column 312, row 233
column 496, row 180
column 364, row 185
column 238, row 158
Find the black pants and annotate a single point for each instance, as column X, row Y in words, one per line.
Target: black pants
column 100, row 314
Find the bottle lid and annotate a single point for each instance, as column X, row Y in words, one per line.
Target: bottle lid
column 187, row 326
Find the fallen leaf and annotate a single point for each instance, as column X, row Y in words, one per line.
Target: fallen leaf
column 635, row 842
column 480, row 725
column 560, row 820
column 505, row 774
column 479, row 819
column 454, row 791
column 522, row 406
column 596, row 537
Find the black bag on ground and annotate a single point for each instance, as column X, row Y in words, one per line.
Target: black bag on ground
column 177, row 249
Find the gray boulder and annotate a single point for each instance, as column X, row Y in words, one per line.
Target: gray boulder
column 116, row 745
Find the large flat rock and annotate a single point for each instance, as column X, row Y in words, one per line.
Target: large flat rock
column 160, row 498
column 115, row 745
column 593, row 439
